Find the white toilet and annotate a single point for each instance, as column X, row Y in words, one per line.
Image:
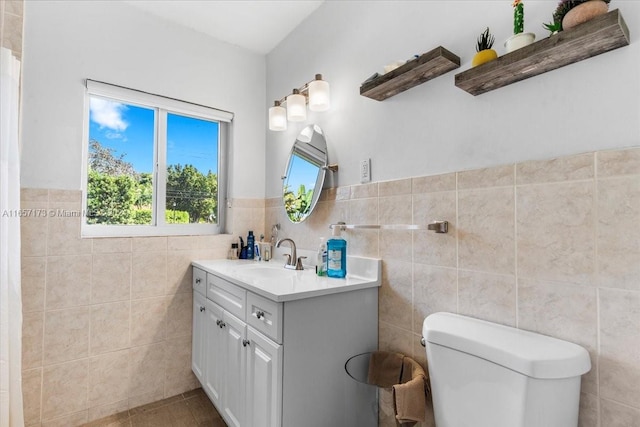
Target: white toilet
column 489, row 375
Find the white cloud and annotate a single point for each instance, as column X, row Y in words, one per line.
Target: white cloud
column 115, row 135
column 108, row 114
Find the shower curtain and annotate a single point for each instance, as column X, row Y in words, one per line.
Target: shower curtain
column 11, row 413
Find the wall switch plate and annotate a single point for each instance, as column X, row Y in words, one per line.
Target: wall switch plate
column 365, row 171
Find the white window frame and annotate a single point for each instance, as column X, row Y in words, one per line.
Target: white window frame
column 162, row 106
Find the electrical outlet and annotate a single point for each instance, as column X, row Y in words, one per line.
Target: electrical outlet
column 365, row 171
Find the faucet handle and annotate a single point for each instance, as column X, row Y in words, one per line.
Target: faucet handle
column 299, row 263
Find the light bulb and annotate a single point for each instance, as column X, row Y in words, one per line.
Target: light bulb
column 319, row 94
column 296, row 107
column 277, row 117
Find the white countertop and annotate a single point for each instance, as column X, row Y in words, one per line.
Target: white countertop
column 271, row 280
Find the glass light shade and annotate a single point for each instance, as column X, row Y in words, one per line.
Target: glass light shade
column 319, row 95
column 296, row 107
column 277, row 118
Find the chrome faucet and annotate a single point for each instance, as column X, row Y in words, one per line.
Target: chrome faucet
column 293, row 261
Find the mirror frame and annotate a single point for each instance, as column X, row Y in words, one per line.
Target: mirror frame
column 310, row 146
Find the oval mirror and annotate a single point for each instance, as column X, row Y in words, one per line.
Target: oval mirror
column 304, row 176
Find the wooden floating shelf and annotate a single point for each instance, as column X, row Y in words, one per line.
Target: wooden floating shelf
column 601, row 34
column 415, row 72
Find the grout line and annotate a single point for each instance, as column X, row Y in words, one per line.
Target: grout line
column 44, row 312
column 456, row 237
column 515, row 245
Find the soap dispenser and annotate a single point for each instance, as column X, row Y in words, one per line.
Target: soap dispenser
column 321, row 258
column 336, row 255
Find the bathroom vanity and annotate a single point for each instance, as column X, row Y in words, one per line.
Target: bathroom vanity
column 270, row 344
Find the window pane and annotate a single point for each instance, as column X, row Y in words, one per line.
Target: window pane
column 120, row 178
column 192, row 170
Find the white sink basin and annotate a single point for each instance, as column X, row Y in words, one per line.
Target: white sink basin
column 260, row 272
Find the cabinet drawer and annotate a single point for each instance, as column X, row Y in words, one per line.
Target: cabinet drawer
column 200, row 281
column 265, row 315
column 229, row 296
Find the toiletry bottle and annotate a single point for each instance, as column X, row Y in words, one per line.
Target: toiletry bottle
column 336, row 255
column 233, row 252
column 251, row 241
column 243, row 249
column 321, row 259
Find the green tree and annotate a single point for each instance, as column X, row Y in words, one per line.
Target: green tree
column 110, row 198
column 101, row 159
column 144, row 190
column 191, row 191
column 115, row 192
column 297, row 205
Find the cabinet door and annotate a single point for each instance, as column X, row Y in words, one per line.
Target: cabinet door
column 264, row 381
column 214, row 352
column 233, row 393
column 199, row 336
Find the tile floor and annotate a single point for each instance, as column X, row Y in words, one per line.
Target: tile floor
column 191, row 409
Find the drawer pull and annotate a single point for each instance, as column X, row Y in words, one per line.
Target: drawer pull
column 222, row 324
column 202, row 308
column 198, row 280
column 245, row 343
column 259, row 314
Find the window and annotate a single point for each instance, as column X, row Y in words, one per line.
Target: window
column 153, row 165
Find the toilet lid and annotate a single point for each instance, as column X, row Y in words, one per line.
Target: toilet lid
column 531, row 354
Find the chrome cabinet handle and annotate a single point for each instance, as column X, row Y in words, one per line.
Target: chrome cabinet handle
column 245, row 343
column 259, row 314
column 202, row 308
column 198, row 280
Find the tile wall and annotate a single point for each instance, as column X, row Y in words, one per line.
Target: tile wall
column 107, row 321
column 11, row 18
column 549, row 246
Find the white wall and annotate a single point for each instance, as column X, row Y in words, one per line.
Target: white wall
column 66, row 42
column 436, row 127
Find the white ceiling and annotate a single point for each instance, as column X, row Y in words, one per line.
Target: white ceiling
column 257, row 25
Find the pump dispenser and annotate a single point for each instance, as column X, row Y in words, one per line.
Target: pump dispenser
column 321, row 258
column 336, row 255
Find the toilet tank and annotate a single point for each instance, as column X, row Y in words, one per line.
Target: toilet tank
column 488, row 375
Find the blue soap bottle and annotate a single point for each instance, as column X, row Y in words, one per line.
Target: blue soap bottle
column 251, row 241
column 336, row 255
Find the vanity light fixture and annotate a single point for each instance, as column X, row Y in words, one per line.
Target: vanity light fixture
column 316, row 93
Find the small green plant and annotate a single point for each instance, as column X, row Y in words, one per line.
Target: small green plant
column 485, row 41
column 518, row 16
column 553, row 26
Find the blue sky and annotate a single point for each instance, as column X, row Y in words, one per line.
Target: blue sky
column 302, row 172
column 129, row 130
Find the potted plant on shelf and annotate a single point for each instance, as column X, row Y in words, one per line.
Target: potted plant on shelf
column 554, row 26
column 483, row 49
column 574, row 12
column 519, row 38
